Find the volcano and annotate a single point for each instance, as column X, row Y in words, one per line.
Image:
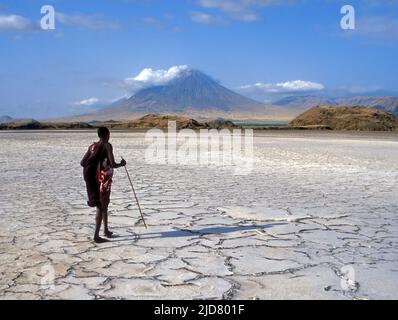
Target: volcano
column 191, row 93
column 192, row 90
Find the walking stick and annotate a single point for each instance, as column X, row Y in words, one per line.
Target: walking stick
column 135, row 195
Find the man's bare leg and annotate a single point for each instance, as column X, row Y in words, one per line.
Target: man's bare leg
column 107, row 233
column 98, row 219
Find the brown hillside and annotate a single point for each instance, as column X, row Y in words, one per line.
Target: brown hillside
column 31, row 124
column 346, row 118
column 158, row 121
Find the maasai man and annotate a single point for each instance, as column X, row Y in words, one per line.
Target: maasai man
column 98, row 164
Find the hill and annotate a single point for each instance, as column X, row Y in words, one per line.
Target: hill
column 157, row 121
column 346, row 118
column 5, row 119
column 31, row 124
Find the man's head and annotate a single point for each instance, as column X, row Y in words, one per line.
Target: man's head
column 103, row 133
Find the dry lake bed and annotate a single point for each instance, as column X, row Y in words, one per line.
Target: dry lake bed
column 316, row 218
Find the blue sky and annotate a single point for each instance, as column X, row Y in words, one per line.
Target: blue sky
column 263, row 48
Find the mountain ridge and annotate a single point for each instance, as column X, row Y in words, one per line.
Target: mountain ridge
column 6, row 119
column 386, row 103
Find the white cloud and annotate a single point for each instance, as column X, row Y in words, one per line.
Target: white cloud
column 87, row 102
column 299, row 85
column 206, row 18
column 93, row 22
column 163, row 23
column 153, row 22
column 16, row 23
column 380, row 2
column 296, row 86
column 248, row 17
column 377, row 28
column 243, row 10
column 176, row 29
column 12, row 23
column 224, row 5
column 149, row 77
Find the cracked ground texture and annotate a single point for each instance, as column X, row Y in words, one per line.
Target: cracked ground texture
column 316, row 218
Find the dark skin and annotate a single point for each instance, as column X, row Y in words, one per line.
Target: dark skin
column 102, row 213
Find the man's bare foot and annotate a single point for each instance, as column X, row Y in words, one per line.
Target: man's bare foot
column 108, row 234
column 100, row 240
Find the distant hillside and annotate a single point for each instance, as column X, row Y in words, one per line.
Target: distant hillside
column 301, row 103
column 389, row 104
column 346, row 118
column 5, row 119
column 157, row 121
column 161, row 122
column 31, row 124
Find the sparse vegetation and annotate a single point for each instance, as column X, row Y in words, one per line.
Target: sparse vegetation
column 345, row 118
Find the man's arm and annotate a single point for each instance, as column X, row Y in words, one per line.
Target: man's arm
column 111, row 158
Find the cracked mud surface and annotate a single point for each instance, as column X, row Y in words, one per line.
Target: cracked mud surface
column 314, row 206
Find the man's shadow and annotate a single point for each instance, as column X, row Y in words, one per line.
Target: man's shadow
column 199, row 232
